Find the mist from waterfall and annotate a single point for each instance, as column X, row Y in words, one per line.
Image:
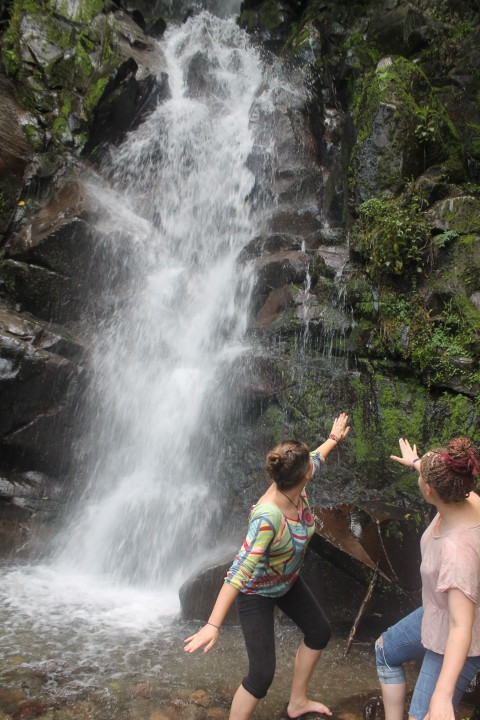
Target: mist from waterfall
column 177, row 193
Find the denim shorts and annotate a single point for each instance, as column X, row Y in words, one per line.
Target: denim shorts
column 401, row 643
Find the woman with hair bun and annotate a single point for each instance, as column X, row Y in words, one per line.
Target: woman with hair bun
column 265, row 575
column 445, row 631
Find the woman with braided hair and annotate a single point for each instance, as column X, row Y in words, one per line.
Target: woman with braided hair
column 265, row 575
column 445, row 631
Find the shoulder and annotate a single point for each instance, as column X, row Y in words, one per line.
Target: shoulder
column 463, row 541
column 267, row 512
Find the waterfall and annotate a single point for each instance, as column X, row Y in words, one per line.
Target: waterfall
column 177, row 192
column 175, row 213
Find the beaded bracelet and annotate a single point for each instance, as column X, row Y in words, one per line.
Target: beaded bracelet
column 334, row 437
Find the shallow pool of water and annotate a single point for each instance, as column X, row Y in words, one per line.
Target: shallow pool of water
column 76, row 646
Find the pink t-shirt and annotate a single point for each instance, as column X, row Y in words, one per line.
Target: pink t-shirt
column 451, row 560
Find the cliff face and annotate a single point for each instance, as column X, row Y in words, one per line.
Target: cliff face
column 390, row 322
column 367, row 295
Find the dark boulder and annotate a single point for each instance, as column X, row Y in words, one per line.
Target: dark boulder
column 40, row 380
column 59, row 262
column 199, row 592
column 401, row 30
column 127, row 100
column 277, row 302
column 262, row 245
column 252, row 380
column 278, row 269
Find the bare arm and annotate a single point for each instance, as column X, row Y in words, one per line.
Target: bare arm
column 340, row 430
column 461, row 614
column 208, row 634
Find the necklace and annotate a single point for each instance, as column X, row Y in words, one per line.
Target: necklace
column 295, row 505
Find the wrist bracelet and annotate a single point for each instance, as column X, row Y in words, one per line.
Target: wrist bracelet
column 334, row 437
column 412, row 466
column 215, row 626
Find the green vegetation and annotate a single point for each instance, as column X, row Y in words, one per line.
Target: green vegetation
column 393, row 235
column 45, row 89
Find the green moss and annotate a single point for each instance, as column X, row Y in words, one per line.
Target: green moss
column 275, row 419
column 393, row 235
column 11, row 52
column 368, row 55
column 35, row 140
column 461, row 214
column 95, row 93
column 85, row 11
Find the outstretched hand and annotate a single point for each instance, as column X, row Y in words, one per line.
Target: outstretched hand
column 207, row 635
column 409, row 453
column 340, row 428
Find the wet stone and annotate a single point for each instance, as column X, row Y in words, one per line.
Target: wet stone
column 218, row 713
column 201, row 697
column 192, row 712
column 10, row 698
column 31, row 709
column 159, row 715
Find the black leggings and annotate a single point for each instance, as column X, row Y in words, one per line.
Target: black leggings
column 256, row 620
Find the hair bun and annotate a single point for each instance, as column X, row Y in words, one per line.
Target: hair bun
column 462, row 457
column 274, row 459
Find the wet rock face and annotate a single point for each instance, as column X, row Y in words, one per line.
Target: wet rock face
column 389, row 148
column 58, row 263
column 14, row 153
column 40, row 390
column 125, row 103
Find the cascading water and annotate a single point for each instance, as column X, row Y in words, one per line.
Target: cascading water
column 178, row 188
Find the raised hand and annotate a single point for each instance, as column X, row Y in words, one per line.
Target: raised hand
column 340, row 429
column 409, row 453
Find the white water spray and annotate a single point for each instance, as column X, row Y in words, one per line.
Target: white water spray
column 179, row 189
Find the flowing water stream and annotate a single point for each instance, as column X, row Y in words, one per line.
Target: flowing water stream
column 99, row 621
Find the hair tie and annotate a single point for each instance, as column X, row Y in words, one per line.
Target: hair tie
column 472, row 463
column 467, row 465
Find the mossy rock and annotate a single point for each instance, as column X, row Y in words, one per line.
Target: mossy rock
column 270, row 20
column 460, row 213
column 401, row 129
column 62, row 59
column 10, row 189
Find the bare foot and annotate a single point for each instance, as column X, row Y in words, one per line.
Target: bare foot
column 308, row 706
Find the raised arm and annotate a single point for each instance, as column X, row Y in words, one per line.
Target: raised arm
column 461, row 615
column 339, row 431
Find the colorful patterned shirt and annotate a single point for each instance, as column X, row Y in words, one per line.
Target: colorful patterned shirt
column 269, row 561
